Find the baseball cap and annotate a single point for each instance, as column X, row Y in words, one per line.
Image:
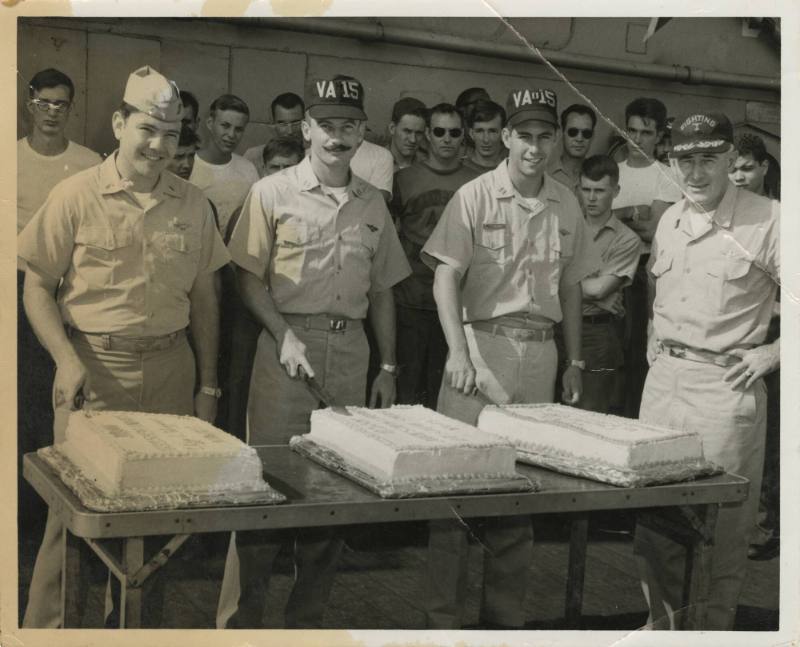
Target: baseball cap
column 338, row 97
column 701, row 132
column 153, row 94
column 406, row 106
column 531, row 103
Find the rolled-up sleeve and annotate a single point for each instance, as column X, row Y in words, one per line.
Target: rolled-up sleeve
column 251, row 243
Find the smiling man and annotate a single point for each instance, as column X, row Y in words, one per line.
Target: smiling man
column 508, row 255
column 485, row 124
column 715, row 266
column 129, row 251
column 224, row 176
column 315, row 249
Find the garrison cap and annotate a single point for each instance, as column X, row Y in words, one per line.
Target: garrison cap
column 153, row 94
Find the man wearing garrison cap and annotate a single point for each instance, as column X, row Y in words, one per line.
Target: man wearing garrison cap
column 715, row 264
column 129, row 251
column 315, row 248
column 508, row 254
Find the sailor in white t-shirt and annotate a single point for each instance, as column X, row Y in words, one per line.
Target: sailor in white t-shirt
column 374, row 164
column 224, row 176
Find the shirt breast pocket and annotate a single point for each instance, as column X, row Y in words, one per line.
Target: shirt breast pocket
column 491, row 243
column 728, row 282
column 293, row 242
column 178, row 256
column 100, row 251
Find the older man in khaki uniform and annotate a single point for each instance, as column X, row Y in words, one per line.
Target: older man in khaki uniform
column 130, row 253
column 315, row 248
column 715, row 261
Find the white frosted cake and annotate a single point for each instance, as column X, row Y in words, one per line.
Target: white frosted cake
column 408, row 443
column 132, row 453
column 604, row 447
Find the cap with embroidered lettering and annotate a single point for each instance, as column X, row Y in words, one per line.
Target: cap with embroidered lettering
column 701, row 132
column 337, row 97
column 532, row 103
column 153, row 94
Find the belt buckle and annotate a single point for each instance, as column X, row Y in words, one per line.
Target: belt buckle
column 337, row 325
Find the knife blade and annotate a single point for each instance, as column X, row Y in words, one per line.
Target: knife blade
column 319, row 391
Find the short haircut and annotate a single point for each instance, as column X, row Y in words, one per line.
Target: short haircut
column 443, row 109
column 597, row 167
column 287, row 101
column 188, row 99
column 408, row 106
column 483, row 110
column 228, row 102
column 285, row 146
column 578, row 109
column 753, row 145
column 188, row 137
column 471, row 95
column 647, row 108
column 50, row 78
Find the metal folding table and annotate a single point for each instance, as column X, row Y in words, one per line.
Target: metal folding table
column 316, row 496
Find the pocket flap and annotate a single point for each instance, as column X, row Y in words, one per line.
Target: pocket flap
column 104, row 237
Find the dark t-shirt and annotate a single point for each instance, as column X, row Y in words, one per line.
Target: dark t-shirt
column 419, row 196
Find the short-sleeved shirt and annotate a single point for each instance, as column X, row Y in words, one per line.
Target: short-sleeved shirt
column 512, row 252
column 420, row 195
column 618, row 247
column 715, row 288
column 226, row 185
column 126, row 270
column 374, row 164
column 315, row 255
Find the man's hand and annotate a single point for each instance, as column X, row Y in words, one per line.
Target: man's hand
column 205, row 407
column 755, row 364
column 383, row 390
column 293, row 355
column 71, row 378
column 460, row 373
column 573, row 385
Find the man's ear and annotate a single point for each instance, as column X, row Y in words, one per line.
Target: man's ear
column 117, row 124
column 305, row 128
column 506, row 135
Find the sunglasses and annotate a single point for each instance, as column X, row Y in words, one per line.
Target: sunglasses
column 454, row 132
column 586, row 132
column 44, row 105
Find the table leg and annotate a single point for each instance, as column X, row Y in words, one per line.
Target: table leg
column 697, row 576
column 576, row 570
column 131, row 597
column 74, row 579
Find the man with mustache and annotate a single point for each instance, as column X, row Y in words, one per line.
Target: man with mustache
column 421, row 192
column 316, row 249
column 715, row 264
column 577, row 131
column 224, row 176
column 508, row 256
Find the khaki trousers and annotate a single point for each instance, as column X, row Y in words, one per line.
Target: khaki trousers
column 279, row 408
column 683, row 394
column 508, row 371
column 159, row 381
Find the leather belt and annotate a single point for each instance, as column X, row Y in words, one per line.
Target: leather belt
column 603, row 318
column 327, row 323
column 520, row 334
column 128, row 344
column 705, row 356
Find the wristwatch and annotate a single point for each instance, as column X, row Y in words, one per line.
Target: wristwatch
column 391, row 369
column 211, row 390
column 581, row 364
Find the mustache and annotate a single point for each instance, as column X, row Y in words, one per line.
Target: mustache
column 337, row 148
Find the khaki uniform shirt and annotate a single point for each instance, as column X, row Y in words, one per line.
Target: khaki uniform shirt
column 126, row 270
column 715, row 288
column 314, row 255
column 619, row 248
column 557, row 171
column 513, row 254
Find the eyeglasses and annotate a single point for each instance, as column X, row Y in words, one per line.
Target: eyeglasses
column 44, row 105
column 454, row 132
column 585, row 132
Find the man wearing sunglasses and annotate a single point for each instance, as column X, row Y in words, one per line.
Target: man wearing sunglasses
column 508, row 255
column 577, row 125
column 421, row 192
